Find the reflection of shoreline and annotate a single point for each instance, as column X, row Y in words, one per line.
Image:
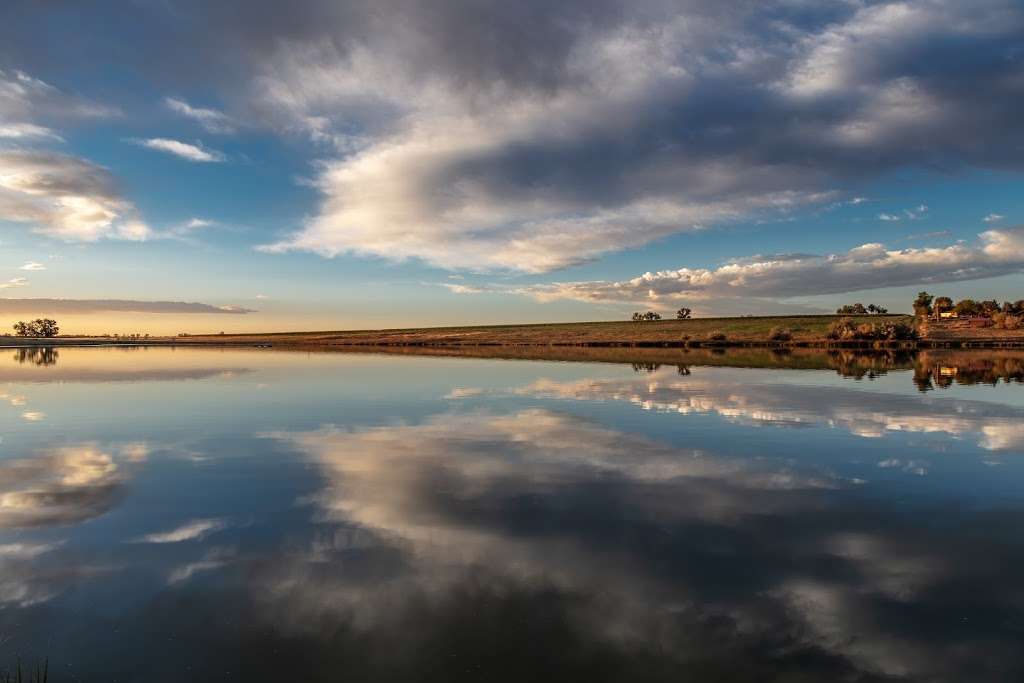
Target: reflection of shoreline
column 758, row 402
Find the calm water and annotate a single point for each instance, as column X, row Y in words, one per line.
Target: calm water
column 177, row 515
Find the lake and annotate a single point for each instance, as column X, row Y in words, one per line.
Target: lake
column 263, row 515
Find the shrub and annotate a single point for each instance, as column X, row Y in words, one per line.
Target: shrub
column 847, row 330
column 780, row 334
column 1006, row 321
column 717, row 335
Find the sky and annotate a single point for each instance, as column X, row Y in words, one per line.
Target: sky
column 174, row 166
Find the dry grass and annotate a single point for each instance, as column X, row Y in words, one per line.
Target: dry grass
column 746, row 329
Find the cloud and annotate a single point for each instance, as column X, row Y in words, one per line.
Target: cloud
column 65, row 197
column 60, row 486
column 615, row 125
column 456, row 288
column 14, row 282
column 26, row 101
column 458, row 137
column 33, row 265
column 78, row 306
column 993, row 218
column 27, row 131
column 212, row 120
column 195, row 530
column 869, row 266
column 183, row 150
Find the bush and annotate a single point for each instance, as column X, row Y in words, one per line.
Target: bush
column 780, row 334
column 717, row 335
column 1006, row 321
column 847, row 330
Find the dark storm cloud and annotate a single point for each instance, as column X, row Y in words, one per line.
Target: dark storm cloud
column 536, row 135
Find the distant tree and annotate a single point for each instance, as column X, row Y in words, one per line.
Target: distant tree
column 872, row 308
column 989, row 307
column 40, row 327
column 923, row 304
column 967, row 307
column 881, row 310
column 942, row 304
column 683, row 313
column 651, row 315
column 852, row 309
column 46, row 327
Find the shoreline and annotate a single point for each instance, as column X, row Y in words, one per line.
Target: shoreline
column 807, row 331
column 270, row 343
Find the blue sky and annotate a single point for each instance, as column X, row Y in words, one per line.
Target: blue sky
column 361, row 164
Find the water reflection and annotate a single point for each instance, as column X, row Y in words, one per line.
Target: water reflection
column 755, row 401
column 392, row 518
column 42, row 356
column 58, row 486
column 668, row 560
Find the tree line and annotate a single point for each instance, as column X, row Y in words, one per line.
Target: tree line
column 925, row 304
column 860, row 309
column 682, row 314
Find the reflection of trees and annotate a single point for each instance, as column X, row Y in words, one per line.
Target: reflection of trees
column 38, row 355
column 645, row 367
column 858, row 365
column 942, row 370
column 683, row 370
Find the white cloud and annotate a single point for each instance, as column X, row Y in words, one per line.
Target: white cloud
column 64, row 197
column 14, row 282
column 192, row 531
column 59, row 486
column 212, row 120
column 540, row 164
column 455, row 288
column 993, row 218
column 25, row 100
column 183, row 150
column 869, row 266
column 27, row 131
column 33, row 265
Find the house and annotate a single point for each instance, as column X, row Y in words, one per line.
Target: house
column 947, row 314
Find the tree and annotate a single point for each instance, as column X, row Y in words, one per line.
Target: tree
column 872, row 309
column 942, row 304
column 649, row 315
column 923, row 304
column 989, row 307
column 967, row 307
column 683, row 313
column 46, row 327
column 853, row 309
column 40, row 327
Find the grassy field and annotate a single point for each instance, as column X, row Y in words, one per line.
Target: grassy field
column 745, row 329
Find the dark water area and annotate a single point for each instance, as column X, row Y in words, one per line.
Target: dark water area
column 679, row 515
